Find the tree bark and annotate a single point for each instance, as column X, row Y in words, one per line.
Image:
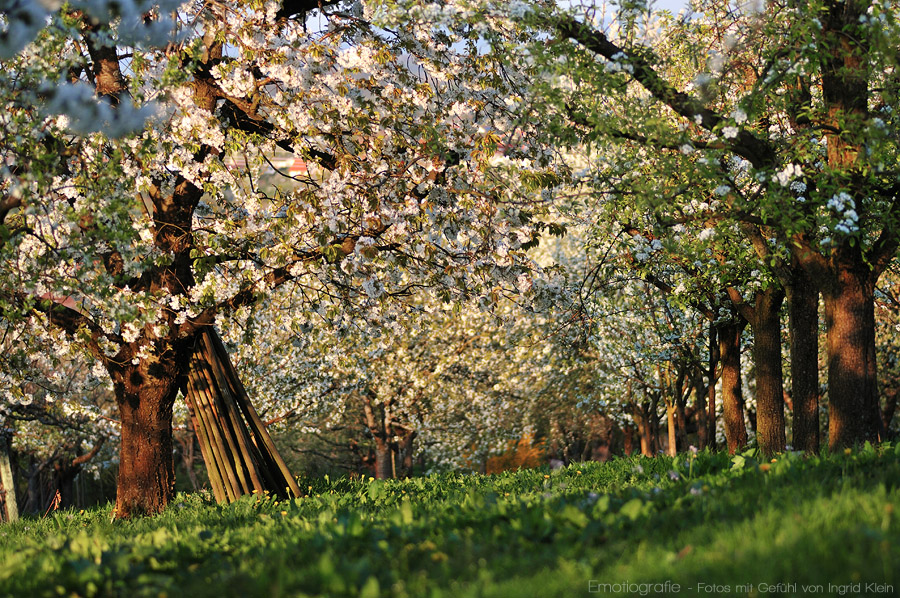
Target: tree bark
column 751, row 416
column 628, row 441
column 383, row 469
column 732, row 394
column 769, row 381
column 145, row 394
column 670, row 427
column 852, row 372
column 407, row 453
column 681, row 391
column 653, row 421
column 851, row 274
column 379, row 426
column 702, row 431
column 764, row 316
column 681, row 418
column 803, row 316
column 711, row 390
column 644, row 431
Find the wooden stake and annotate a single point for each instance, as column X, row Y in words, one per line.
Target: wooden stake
column 212, row 425
column 256, row 423
column 239, row 453
column 7, row 483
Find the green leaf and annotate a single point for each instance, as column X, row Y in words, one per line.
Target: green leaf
column 633, row 508
column 406, row 512
column 370, row 589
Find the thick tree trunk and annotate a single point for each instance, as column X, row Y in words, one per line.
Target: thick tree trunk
column 645, row 439
column 852, row 373
column 406, row 453
column 803, row 315
column 378, row 422
column 643, row 422
column 628, row 440
column 732, row 395
column 769, row 381
column 849, row 288
column 146, row 395
column 711, row 414
column 383, row 468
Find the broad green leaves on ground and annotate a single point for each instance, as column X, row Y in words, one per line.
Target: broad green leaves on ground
column 713, row 518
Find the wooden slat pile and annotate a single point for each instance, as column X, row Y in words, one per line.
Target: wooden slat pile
column 239, row 454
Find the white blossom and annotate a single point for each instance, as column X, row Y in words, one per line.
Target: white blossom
column 730, row 132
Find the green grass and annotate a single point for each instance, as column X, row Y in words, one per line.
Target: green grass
column 709, row 520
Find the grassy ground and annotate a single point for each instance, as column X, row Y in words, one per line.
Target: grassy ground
column 710, row 525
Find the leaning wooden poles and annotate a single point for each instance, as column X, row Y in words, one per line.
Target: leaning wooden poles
column 9, row 510
column 239, row 454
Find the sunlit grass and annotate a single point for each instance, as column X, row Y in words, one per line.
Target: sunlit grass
column 710, row 519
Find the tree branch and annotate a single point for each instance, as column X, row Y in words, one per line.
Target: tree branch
column 71, row 321
column 758, row 152
column 884, row 249
column 743, row 308
column 90, row 455
column 292, row 8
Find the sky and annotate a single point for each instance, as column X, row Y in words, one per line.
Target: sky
column 673, row 5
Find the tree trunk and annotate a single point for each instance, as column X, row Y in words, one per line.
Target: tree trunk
column 380, row 428
column 751, row 417
column 670, row 426
column 680, row 392
column 851, row 275
column 732, row 394
column 803, row 315
column 383, row 462
column 711, row 415
column 702, row 430
column 769, row 382
column 653, row 425
column 34, row 498
column 406, row 453
column 645, row 439
column 681, row 417
column 64, row 481
column 644, row 430
column 852, row 372
column 146, row 395
column 628, row 440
